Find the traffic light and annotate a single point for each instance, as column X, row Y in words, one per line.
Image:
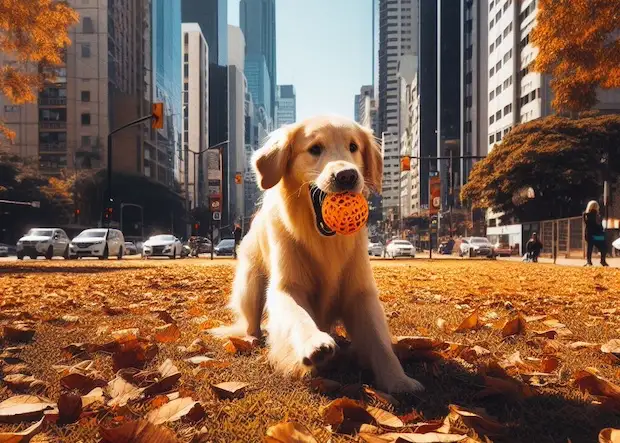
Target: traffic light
column 405, row 164
column 157, row 116
column 238, row 178
column 196, row 228
column 76, row 215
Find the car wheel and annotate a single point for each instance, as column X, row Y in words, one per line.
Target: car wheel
column 105, row 254
column 20, row 256
column 65, row 255
column 471, row 253
column 120, row 253
column 49, row 253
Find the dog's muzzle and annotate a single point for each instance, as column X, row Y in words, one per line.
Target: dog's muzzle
column 318, row 196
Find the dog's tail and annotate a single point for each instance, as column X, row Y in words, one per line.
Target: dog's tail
column 238, row 329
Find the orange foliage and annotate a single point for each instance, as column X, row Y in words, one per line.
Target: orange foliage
column 33, row 32
column 579, row 47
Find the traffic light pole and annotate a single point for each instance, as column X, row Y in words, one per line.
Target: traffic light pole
column 108, row 202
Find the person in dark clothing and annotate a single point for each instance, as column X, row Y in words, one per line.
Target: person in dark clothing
column 533, row 248
column 237, row 236
column 595, row 234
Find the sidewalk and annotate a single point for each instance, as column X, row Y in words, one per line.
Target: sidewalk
column 596, row 261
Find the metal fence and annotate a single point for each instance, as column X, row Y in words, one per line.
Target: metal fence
column 565, row 234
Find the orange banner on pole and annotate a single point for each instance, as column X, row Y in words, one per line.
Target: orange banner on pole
column 434, row 187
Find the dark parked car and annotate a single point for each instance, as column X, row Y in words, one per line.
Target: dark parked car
column 225, row 247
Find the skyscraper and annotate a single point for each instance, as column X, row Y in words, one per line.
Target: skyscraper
column 258, row 23
column 286, row 106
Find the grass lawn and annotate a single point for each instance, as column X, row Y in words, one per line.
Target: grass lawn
column 528, row 352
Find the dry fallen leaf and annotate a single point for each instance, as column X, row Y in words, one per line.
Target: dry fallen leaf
column 198, row 359
column 140, row 431
column 23, row 436
column 384, row 418
column 472, row 354
column 168, row 333
column 441, row 324
column 19, row 332
column 470, row 323
column 429, row 437
column 588, row 381
column 609, row 435
column 94, row 397
column 133, row 353
column 196, row 346
column 504, row 386
column 122, row 392
column 582, row 345
column 514, row 326
column 240, row 344
column 230, row 389
column 23, row 408
column 69, row 408
column 611, row 347
column 378, row 396
column 168, row 376
column 81, row 382
column 164, row 316
column 549, row 364
column 478, row 420
column 176, row 410
column 345, row 415
column 24, row 382
column 289, row 432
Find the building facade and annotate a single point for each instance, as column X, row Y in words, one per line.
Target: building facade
column 257, row 75
column 104, row 82
column 258, row 23
column 286, row 106
column 195, row 114
column 166, row 71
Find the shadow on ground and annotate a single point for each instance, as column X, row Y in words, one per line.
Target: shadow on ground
column 545, row 417
column 55, row 269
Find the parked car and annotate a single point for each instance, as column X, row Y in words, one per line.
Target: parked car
column 375, row 249
column 502, row 250
column 48, row 242
column 225, row 247
column 165, row 245
column 130, row 248
column 98, row 242
column 477, row 247
column 4, row 250
column 400, row 248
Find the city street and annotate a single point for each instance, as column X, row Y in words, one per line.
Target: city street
column 526, row 333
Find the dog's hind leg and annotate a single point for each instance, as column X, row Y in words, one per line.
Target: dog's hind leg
column 247, row 301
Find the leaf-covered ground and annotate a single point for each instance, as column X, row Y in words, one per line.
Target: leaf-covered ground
column 93, row 351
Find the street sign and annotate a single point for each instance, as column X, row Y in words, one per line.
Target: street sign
column 217, row 216
column 215, row 205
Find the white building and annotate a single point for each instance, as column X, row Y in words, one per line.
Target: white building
column 391, row 174
column 286, row 105
column 196, row 115
column 236, row 47
column 410, row 142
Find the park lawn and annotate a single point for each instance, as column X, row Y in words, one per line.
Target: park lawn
column 528, row 351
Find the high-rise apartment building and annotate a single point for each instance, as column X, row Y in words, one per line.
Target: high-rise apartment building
column 286, row 106
column 258, row 23
column 195, row 115
column 359, row 102
column 105, row 82
column 257, row 75
column 166, row 28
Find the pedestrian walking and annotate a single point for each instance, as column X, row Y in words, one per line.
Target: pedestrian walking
column 533, row 248
column 237, row 236
column 595, row 234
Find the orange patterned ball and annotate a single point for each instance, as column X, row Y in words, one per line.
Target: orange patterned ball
column 345, row 213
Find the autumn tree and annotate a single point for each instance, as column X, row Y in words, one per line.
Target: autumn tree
column 563, row 160
column 579, row 47
column 34, row 34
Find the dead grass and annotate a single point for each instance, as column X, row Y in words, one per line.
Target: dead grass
column 415, row 295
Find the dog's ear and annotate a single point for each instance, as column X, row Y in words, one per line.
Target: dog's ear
column 373, row 160
column 271, row 159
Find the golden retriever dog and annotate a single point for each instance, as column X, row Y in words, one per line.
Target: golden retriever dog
column 296, row 270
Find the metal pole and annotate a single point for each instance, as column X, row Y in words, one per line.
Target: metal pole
column 122, row 207
column 400, row 168
column 211, row 229
column 187, row 209
column 108, row 199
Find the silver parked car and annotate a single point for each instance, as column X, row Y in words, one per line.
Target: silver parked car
column 476, row 247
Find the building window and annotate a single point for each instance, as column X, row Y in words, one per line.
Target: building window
column 498, row 137
column 507, row 109
column 85, row 96
column 86, row 50
column 491, row 138
column 491, row 95
column 498, row 115
column 85, row 141
column 11, row 108
column 186, row 38
column 491, row 4
column 491, row 23
column 491, row 72
column 498, row 90
column 186, row 57
column 185, row 70
column 86, row 119
column 491, row 119
column 87, row 25
column 491, row 48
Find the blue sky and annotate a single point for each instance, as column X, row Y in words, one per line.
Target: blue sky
column 324, row 48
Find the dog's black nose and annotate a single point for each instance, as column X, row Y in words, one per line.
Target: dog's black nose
column 346, row 179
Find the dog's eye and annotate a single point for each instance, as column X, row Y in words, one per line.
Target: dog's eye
column 315, row 150
column 353, row 147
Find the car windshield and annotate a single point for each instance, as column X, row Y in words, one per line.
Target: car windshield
column 41, row 232
column 480, row 240
column 92, row 234
column 402, row 243
column 226, row 243
column 162, row 238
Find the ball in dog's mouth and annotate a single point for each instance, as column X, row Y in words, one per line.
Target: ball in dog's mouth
column 318, row 197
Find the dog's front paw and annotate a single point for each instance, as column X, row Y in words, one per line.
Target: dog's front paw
column 402, row 384
column 318, row 350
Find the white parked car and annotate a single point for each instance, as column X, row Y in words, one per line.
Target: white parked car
column 4, row 251
column 375, row 249
column 162, row 246
column 98, row 242
column 48, row 242
column 476, row 247
column 399, row 248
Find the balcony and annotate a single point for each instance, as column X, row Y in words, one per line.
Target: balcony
column 52, row 125
column 52, row 101
column 53, row 147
